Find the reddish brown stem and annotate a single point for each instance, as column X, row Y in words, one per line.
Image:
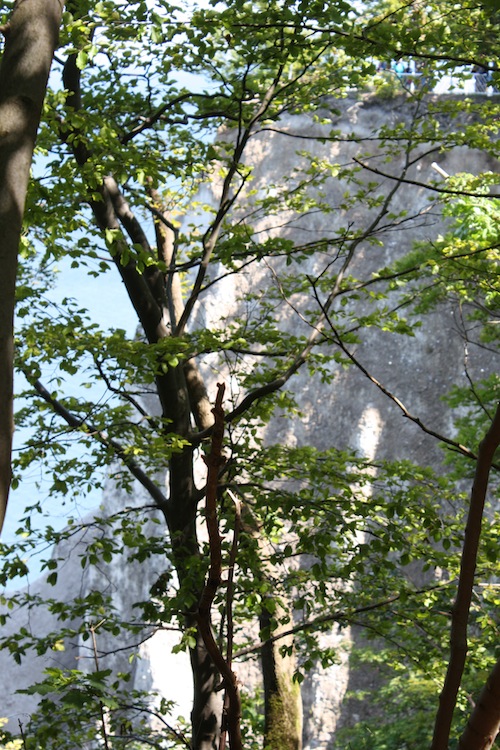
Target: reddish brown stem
column 214, row 460
column 484, row 722
column 229, row 609
column 460, row 613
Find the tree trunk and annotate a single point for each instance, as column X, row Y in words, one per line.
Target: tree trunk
column 466, row 580
column 484, row 723
column 207, row 702
column 178, row 399
column 282, row 699
column 282, row 696
column 207, row 699
column 181, row 521
column 30, row 40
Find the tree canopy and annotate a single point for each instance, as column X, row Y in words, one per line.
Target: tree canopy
column 159, row 126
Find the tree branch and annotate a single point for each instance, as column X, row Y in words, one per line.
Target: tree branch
column 152, row 274
column 318, row 326
column 380, row 46
column 434, row 188
column 148, row 122
column 416, row 420
column 167, row 238
column 120, row 452
column 341, row 616
column 225, row 203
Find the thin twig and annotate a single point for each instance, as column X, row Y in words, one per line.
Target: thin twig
column 176, row 733
column 21, row 732
column 434, row 188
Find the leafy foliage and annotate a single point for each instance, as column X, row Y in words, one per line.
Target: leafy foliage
column 151, row 165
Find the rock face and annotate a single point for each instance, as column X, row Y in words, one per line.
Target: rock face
column 350, row 411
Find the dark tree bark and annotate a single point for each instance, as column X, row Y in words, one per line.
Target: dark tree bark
column 181, row 394
column 484, row 723
column 30, row 40
column 461, row 607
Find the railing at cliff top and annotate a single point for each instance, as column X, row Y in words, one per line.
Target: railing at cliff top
column 476, row 83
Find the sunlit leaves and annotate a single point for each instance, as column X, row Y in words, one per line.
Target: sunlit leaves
column 182, row 108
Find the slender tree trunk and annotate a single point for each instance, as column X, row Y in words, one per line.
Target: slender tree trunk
column 282, row 696
column 207, row 703
column 282, row 699
column 461, row 607
column 30, row 40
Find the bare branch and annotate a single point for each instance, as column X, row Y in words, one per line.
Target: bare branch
column 344, row 617
column 148, row 122
column 426, row 185
column 179, row 736
column 416, row 420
